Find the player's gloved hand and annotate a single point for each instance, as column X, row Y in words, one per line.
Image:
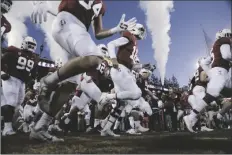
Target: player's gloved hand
column 124, row 25
column 5, row 77
column 115, row 62
column 40, row 10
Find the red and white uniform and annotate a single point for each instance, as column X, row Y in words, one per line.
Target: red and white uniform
column 70, row 27
column 198, row 88
column 218, row 74
column 123, row 78
column 5, row 25
column 20, row 65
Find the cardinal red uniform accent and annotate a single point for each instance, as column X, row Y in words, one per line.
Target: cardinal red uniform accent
column 19, row 63
column 84, row 10
column 128, row 53
column 5, row 23
column 218, row 61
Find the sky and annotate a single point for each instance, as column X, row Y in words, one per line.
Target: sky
column 186, row 34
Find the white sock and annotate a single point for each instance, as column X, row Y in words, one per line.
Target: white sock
column 132, row 122
column 87, row 121
column 116, row 124
column 8, row 126
column 44, row 120
column 109, row 123
column 104, row 121
column 137, row 124
column 96, row 122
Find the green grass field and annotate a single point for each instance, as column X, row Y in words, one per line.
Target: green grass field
column 181, row 142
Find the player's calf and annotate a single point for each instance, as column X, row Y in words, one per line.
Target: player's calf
column 8, row 112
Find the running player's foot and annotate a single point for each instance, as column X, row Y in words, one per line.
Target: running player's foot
column 189, row 123
column 133, row 132
column 44, row 97
column 8, row 132
column 204, row 128
column 44, row 136
column 109, row 133
column 142, row 129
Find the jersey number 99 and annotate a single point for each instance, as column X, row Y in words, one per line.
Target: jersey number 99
column 23, row 63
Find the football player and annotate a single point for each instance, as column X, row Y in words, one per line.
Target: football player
column 18, row 66
column 142, row 105
column 218, row 74
column 127, row 56
column 70, row 31
column 5, row 25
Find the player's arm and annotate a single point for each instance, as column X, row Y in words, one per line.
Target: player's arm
column 4, row 63
column 7, row 26
column 226, row 52
column 112, row 45
column 101, row 33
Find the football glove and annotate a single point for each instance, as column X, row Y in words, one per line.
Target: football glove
column 124, row 25
column 40, row 10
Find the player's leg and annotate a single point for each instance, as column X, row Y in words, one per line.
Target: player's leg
column 93, row 92
column 198, row 94
column 10, row 91
column 226, row 106
column 87, row 117
column 125, row 81
column 144, row 106
column 218, row 77
column 57, row 101
column 75, row 40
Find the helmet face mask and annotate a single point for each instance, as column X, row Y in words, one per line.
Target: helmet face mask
column 139, row 32
column 29, row 44
column 145, row 73
column 224, row 33
column 6, row 5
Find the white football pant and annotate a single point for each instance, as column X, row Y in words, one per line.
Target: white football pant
column 13, row 91
column 125, row 84
column 71, row 34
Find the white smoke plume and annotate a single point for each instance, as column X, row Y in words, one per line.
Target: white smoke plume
column 158, row 22
column 19, row 12
column 16, row 16
column 54, row 48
